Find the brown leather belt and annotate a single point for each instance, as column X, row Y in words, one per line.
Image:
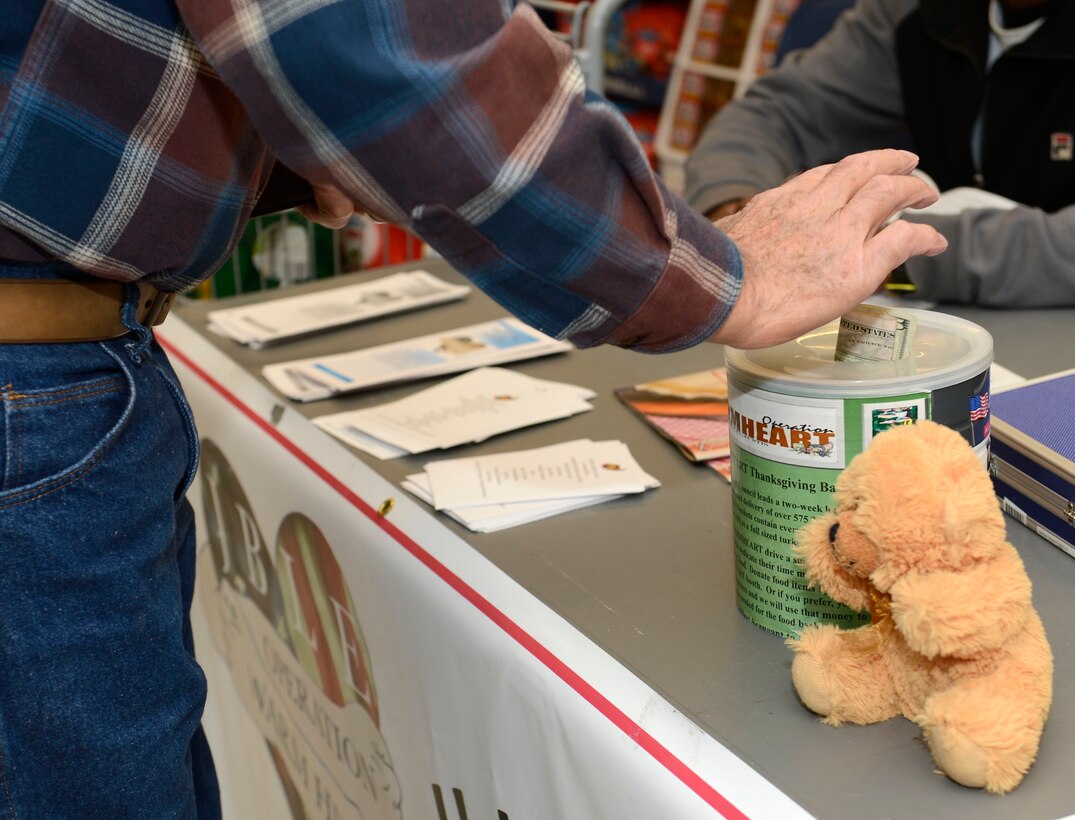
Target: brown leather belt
column 69, row 310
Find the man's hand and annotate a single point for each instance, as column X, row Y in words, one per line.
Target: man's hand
column 331, row 207
column 727, row 208
column 817, row 245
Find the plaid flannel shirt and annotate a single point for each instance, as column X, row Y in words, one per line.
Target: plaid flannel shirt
column 135, row 136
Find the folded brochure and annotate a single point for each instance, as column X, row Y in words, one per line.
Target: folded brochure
column 469, row 408
column 290, row 317
column 438, row 354
column 691, row 411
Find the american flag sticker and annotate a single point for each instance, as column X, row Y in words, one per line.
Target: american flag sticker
column 1061, row 146
column 979, row 417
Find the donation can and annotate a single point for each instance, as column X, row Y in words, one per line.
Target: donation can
column 798, row 417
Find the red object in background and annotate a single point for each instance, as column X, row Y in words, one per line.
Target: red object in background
column 652, row 31
column 366, row 244
column 388, row 245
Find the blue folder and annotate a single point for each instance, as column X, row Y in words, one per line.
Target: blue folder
column 1032, row 457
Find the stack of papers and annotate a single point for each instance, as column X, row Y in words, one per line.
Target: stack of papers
column 467, row 409
column 294, row 316
column 490, row 493
column 689, row 410
column 465, row 348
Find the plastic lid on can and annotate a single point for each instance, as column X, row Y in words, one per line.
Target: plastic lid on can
column 946, row 350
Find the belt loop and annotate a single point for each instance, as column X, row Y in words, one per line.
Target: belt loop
column 131, row 308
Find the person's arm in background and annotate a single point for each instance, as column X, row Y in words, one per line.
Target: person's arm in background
column 837, row 98
column 1021, row 257
column 476, row 134
column 842, row 96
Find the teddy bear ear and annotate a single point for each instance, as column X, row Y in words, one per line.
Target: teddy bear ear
column 972, row 520
column 961, row 613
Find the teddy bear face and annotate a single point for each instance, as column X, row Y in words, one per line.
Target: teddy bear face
column 836, row 557
column 852, row 550
column 917, row 524
column 916, row 501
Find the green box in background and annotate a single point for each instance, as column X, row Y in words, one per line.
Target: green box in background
column 275, row 251
column 285, row 249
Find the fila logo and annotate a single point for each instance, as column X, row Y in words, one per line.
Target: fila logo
column 1062, row 146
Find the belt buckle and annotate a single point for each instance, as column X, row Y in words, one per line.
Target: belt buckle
column 158, row 308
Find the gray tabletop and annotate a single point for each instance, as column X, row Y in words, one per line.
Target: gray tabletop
column 651, row 578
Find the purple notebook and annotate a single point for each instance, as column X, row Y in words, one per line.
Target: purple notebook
column 1043, row 410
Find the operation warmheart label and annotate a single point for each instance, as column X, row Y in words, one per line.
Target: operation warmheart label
column 787, row 452
column 770, row 505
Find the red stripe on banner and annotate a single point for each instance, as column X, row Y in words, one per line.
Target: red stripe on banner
column 603, row 705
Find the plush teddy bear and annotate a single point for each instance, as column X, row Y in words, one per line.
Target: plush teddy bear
column 917, row 538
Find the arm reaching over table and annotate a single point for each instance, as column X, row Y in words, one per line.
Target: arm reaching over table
column 818, row 245
column 475, row 131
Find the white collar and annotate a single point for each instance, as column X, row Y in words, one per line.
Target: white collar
column 1009, row 37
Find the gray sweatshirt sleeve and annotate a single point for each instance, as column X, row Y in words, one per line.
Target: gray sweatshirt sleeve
column 1018, row 258
column 837, row 98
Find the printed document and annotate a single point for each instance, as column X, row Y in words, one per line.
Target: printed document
column 438, row 354
column 290, row 317
column 574, row 469
column 490, row 493
column 466, row 409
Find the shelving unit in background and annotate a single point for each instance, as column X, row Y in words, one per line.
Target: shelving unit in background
column 726, row 45
column 589, row 21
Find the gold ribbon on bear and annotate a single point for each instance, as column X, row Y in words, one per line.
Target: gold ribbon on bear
column 881, row 616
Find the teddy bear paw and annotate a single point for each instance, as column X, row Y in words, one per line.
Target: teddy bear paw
column 810, row 679
column 982, row 741
column 959, row 757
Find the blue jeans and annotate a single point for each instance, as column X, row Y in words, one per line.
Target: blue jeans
column 100, row 695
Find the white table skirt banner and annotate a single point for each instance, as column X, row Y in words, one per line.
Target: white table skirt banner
column 375, row 666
